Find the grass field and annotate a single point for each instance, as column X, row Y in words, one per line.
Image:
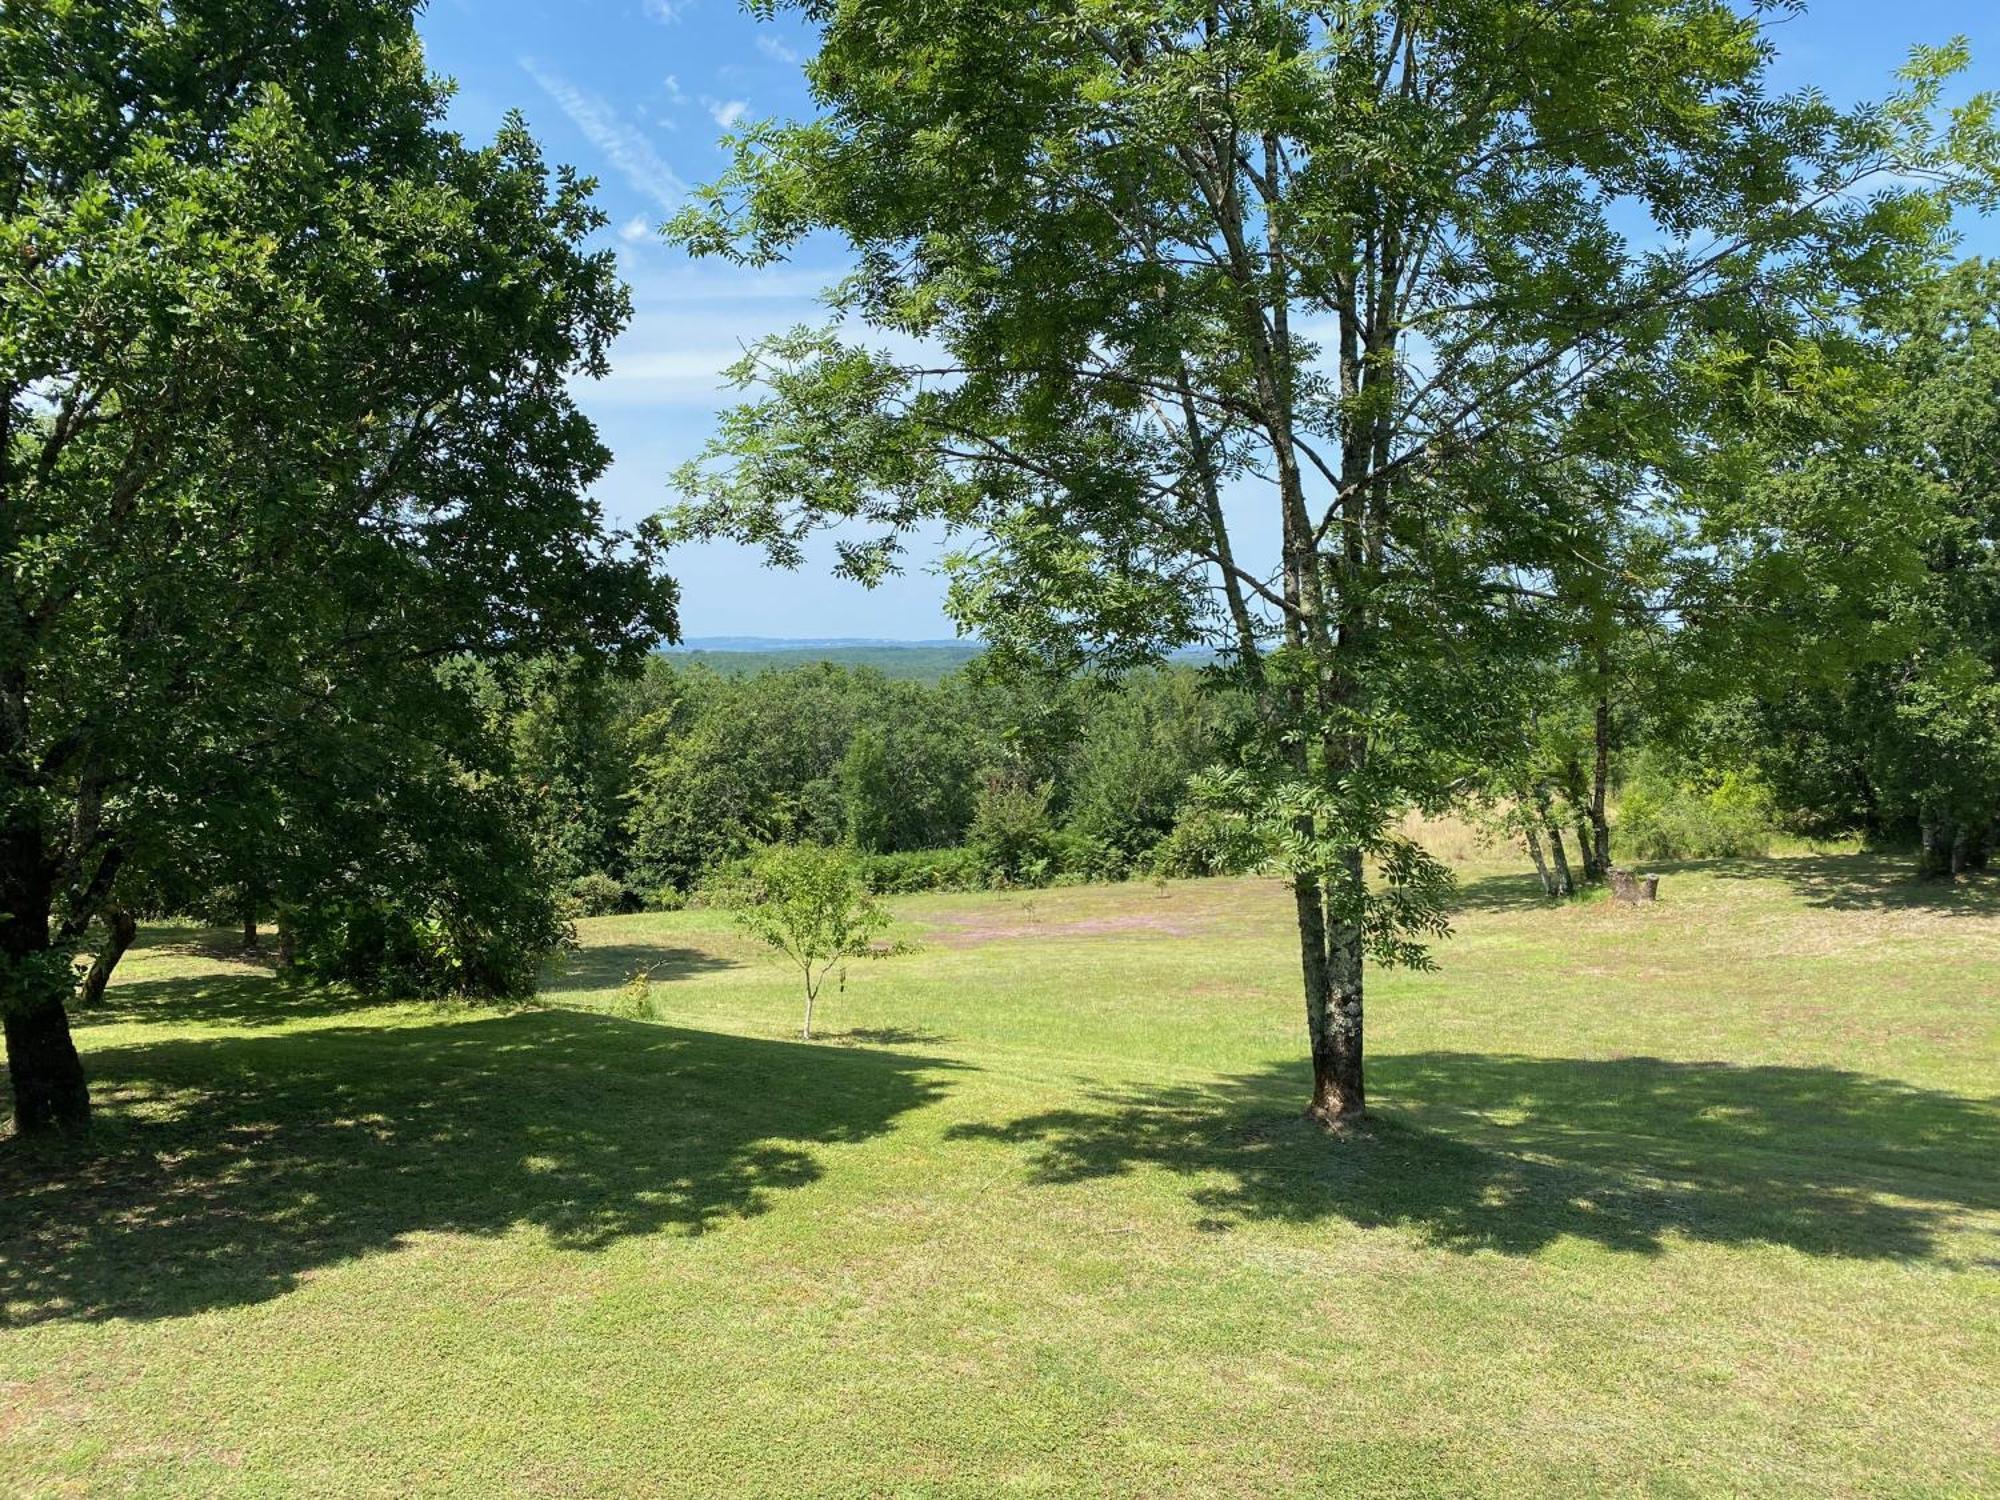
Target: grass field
column 1693, row 1200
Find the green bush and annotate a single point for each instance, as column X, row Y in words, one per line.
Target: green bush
column 1206, row 841
column 450, row 901
column 959, row 869
column 1662, row 818
column 1076, row 857
column 597, row 895
column 726, row 886
column 635, row 1000
column 430, row 951
column 1141, row 742
column 1011, row 829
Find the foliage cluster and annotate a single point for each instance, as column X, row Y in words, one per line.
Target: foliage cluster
column 1885, row 717
column 648, row 788
column 1662, row 816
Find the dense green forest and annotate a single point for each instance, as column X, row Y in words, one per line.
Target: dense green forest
column 647, row 786
column 966, row 782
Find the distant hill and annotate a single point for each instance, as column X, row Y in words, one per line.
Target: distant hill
column 911, row 661
column 736, row 655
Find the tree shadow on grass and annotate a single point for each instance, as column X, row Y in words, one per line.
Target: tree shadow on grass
column 231, row 999
column 223, row 1169
column 218, row 944
column 609, row 965
column 888, row 1036
column 1503, row 893
column 1864, row 882
column 1504, row 1153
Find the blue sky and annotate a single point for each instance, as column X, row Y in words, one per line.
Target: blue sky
column 637, row 93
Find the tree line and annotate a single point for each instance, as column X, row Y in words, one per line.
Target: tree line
column 1030, row 782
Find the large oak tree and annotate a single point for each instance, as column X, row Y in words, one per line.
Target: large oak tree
column 284, row 426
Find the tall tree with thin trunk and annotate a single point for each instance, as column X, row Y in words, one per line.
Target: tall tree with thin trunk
column 1257, row 323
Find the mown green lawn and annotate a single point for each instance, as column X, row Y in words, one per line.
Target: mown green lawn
column 1699, row 1199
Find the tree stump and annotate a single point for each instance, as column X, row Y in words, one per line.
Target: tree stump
column 1633, row 889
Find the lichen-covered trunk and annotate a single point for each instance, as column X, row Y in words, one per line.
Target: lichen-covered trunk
column 42, row 1066
column 1542, row 870
column 120, row 928
column 1333, row 975
column 1564, row 879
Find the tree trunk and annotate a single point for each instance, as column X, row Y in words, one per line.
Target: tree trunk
column 1981, row 854
column 1934, row 861
column 1576, row 792
column 1542, row 870
column 1561, row 855
column 47, row 1077
column 1600, row 777
column 1333, row 1014
column 806, row 1032
column 120, row 927
column 1873, row 826
column 287, row 940
column 1586, row 843
column 49, row 1088
column 1961, row 850
column 249, row 925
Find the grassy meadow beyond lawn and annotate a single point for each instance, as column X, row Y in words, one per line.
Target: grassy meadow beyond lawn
column 1698, row 1199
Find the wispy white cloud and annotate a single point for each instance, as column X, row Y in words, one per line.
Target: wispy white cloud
column 617, row 139
column 726, row 112
column 673, row 87
column 636, row 230
column 665, row 377
column 707, row 284
column 776, row 50
column 694, row 321
column 667, row 11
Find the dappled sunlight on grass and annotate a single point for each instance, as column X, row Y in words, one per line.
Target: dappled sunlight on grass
column 229, row 1166
column 1512, row 1153
column 1867, row 882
